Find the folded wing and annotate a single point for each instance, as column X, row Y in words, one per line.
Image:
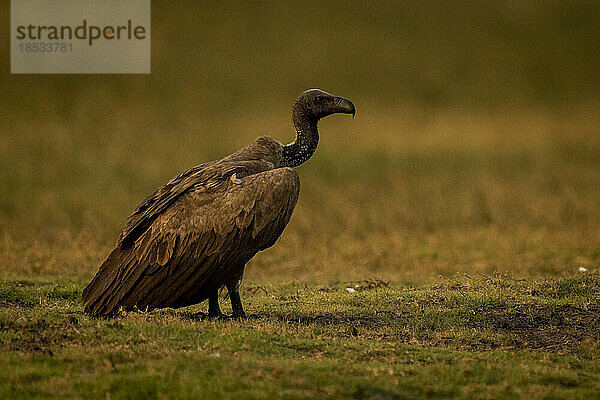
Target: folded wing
column 193, row 236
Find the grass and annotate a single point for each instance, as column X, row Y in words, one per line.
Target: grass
column 462, row 201
column 479, row 221
column 400, row 194
column 466, row 337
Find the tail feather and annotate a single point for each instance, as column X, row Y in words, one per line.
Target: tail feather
column 104, row 293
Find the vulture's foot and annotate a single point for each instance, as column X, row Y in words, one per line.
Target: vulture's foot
column 219, row 316
column 239, row 315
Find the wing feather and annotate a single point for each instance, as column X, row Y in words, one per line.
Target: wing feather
column 197, row 244
column 206, row 176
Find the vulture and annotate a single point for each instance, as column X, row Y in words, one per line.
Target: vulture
column 194, row 235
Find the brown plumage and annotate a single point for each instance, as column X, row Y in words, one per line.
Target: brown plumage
column 195, row 234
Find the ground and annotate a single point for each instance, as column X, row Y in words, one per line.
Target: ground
column 467, row 337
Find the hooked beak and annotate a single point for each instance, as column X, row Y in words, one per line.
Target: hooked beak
column 344, row 106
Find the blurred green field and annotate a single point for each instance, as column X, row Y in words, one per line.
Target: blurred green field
column 408, row 195
column 475, row 152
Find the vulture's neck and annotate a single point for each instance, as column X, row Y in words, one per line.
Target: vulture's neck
column 307, row 139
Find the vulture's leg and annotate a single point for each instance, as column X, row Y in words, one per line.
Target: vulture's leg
column 213, row 305
column 236, row 302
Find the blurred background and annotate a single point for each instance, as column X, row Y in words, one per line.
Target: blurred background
column 475, row 149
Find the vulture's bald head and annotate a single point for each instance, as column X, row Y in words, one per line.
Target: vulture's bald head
column 314, row 104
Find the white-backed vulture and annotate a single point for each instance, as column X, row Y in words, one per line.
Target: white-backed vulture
column 195, row 234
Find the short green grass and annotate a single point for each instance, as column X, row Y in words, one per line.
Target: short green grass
column 466, row 337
